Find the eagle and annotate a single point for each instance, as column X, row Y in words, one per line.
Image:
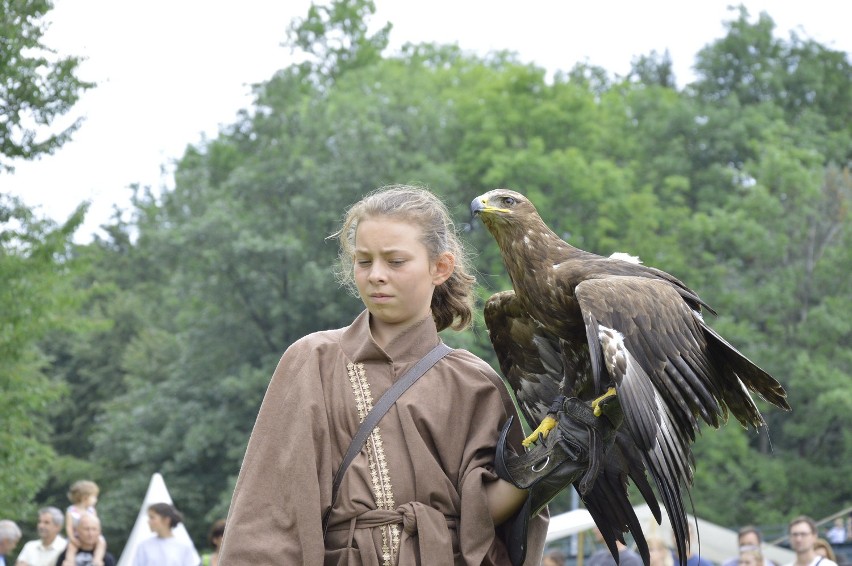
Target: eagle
column 582, row 326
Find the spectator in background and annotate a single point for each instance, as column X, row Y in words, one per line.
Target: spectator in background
column 214, row 537
column 88, row 535
column 748, row 537
column 83, row 495
column 10, row 534
column 554, row 558
column 693, row 552
column 164, row 549
column 823, row 548
column 837, row 533
column 660, row 553
column 603, row 557
column 849, row 527
column 803, row 536
column 46, row 549
column 751, row 556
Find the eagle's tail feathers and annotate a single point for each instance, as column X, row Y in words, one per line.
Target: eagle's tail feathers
column 746, row 372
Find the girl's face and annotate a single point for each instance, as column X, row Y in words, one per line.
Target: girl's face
column 159, row 524
column 89, row 501
column 657, row 554
column 394, row 275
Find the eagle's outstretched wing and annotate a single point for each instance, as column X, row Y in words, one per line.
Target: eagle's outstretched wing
column 654, row 348
column 647, row 342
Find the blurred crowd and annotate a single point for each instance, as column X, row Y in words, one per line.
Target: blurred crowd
column 811, row 545
column 84, row 545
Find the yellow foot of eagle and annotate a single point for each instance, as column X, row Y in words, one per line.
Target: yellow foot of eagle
column 543, row 430
column 596, row 404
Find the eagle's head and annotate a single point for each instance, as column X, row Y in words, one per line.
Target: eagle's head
column 501, row 208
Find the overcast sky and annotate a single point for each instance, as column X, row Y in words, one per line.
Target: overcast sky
column 172, row 71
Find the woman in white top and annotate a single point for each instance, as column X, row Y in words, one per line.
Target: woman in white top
column 164, row 549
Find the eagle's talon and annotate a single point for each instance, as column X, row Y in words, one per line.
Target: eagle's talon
column 541, row 431
column 596, row 404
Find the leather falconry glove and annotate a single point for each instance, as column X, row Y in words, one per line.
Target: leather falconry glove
column 571, row 452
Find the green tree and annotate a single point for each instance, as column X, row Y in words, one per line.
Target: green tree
column 36, row 297
column 809, row 83
column 336, row 37
column 36, row 85
column 654, row 70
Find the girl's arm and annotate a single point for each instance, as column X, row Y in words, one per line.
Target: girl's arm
column 503, row 500
column 100, row 551
column 69, row 524
column 276, row 508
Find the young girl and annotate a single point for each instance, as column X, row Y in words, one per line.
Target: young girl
column 823, row 548
column 750, row 556
column 660, row 552
column 422, row 491
column 164, row 549
column 83, row 496
column 214, row 538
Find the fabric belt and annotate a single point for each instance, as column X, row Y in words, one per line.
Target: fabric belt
column 422, row 525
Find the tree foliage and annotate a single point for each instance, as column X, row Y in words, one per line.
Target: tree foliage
column 739, row 184
column 37, row 297
column 336, row 38
column 36, row 85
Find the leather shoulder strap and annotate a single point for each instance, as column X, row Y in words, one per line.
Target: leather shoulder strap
column 375, row 415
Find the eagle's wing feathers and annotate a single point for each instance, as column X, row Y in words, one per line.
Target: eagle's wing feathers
column 747, row 373
column 659, row 442
column 607, row 500
column 664, row 338
column 651, row 354
column 528, row 355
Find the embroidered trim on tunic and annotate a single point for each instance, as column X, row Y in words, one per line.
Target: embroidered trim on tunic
column 379, row 473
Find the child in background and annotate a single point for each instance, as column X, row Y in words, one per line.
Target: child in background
column 214, row 537
column 823, row 548
column 659, row 551
column 751, row 556
column 84, row 496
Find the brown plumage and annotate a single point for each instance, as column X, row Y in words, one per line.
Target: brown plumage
column 578, row 323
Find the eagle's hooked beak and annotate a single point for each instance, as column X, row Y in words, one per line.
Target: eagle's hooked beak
column 477, row 205
column 480, row 205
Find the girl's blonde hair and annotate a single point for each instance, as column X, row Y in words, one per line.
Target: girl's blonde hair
column 821, row 543
column 657, row 543
column 754, row 552
column 452, row 302
column 82, row 489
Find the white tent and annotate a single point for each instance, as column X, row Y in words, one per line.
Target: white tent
column 157, row 493
column 717, row 544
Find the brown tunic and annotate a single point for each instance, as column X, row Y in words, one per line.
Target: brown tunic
column 414, row 495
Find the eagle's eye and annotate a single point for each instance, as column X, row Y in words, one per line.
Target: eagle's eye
column 509, row 201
